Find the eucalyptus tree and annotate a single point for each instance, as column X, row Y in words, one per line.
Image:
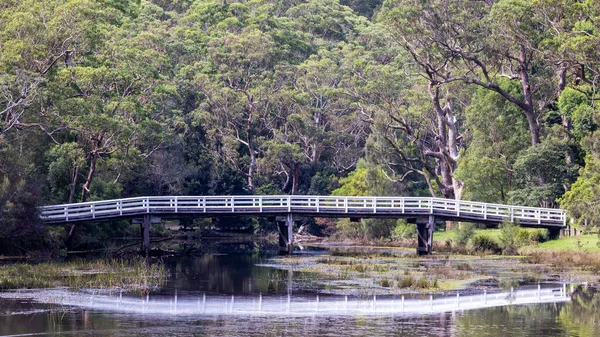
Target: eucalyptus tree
column 37, row 38
column 494, row 141
column 102, row 101
column 480, row 43
column 415, row 121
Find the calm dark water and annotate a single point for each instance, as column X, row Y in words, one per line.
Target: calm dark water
column 237, row 274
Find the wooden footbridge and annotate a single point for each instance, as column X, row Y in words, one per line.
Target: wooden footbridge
column 425, row 212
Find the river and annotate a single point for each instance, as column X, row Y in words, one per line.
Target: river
column 243, row 294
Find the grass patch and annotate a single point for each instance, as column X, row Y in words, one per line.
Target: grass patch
column 572, row 243
column 451, row 235
column 415, row 283
column 130, row 275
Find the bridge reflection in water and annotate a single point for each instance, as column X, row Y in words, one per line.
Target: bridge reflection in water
column 325, row 305
column 287, row 209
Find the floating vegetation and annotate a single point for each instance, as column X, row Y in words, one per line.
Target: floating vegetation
column 366, row 271
column 130, row 275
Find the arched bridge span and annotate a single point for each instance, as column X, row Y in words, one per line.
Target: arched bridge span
column 424, row 211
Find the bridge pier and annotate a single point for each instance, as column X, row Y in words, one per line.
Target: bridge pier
column 554, row 233
column 145, row 231
column 425, row 235
column 285, row 227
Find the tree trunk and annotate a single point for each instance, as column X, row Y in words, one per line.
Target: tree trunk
column 86, row 187
column 74, row 175
column 84, row 193
column 295, row 178
column 252, row 166
column 446, row 142
column 534, row 128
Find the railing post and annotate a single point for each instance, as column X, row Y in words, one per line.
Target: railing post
column 402, row 205
column 457, row 203
column 346, row 204
column 232, row 204
column 260, row 203
column 318, row 200
column 485, row 211
column 430, row 205
column 176, row 203
column 289, row 202
column 66, row 213
column 147, row 200
column 93, row 208
column 120, row 205
column 512, row 213
column 374, row 205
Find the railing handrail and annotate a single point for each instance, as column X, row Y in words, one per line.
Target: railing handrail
column 298, row 203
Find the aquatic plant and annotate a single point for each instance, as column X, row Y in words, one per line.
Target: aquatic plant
column 405, row 282
column 385, row 283
column 129, row 275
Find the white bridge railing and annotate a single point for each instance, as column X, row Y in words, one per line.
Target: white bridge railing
column 301, row 305
column 324, row 206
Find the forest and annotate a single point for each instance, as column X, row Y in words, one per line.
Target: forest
column 486, row 100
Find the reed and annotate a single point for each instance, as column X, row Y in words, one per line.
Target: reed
column 565, row 260
column 129, row 275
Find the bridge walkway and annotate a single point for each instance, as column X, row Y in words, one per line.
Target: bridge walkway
column 424, row 211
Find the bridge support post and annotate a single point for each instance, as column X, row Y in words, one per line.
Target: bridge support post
column 145, row 231
column 554, row 233
column 425, row 235
column 285, row 226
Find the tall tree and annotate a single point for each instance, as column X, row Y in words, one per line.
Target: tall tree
column 479, row 43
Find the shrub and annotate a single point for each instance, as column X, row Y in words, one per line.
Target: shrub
column 385, row 283
column 404, row 230
column 464, row 233
column 483, row 243
column 421, row 283
column 405, row 282
column 512, row 237
column 538, row 235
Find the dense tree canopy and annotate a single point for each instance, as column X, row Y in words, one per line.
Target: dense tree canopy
column 488, row 100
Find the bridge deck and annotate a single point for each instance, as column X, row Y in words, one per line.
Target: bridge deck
column 319, row 206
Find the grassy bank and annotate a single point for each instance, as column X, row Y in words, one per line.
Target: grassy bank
column 130, row 275
column 587, row 243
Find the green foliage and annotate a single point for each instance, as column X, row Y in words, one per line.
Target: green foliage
column 354, row 184
column 582, row 199
column 366, row 180
column 575, row 106
column 114, row 98
column 464, row 233
column 542, row 174
column 496, row 139
column 404, row 230
column 483, row 243
column 512, row 237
